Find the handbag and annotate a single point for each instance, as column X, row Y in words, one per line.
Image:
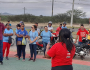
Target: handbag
column 9, row 40
column 19, row 43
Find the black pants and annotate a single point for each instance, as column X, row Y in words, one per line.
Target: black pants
column 67, row 67
column 21, row 48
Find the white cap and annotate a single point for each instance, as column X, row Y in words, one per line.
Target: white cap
column 50, row 22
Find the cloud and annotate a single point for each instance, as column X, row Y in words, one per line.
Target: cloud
column 43, row 7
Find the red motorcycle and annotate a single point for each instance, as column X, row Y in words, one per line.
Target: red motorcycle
column 53, row 40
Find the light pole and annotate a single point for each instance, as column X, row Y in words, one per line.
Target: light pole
column 52, row 7
column 72, row 13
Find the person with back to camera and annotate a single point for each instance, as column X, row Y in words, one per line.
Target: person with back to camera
column 62, row 52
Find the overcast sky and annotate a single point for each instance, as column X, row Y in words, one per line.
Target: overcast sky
column 43, row 7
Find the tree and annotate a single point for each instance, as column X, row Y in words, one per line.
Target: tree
column 77, row 13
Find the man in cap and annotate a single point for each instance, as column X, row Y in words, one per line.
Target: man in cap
column 50, row 28
column 64, row 25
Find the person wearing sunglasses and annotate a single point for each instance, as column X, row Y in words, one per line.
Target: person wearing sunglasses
column 33, row 36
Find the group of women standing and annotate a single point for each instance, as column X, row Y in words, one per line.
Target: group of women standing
column 32, row 37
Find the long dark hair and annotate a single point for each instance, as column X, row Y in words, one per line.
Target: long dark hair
column 35, row 27
column 64, row 36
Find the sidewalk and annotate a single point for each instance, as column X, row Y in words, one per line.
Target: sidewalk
column 40, row 64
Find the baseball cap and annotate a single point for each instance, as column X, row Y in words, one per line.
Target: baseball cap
column 50, row 22
column 64, row 22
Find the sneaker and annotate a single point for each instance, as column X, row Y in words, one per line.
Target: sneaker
column 7, row 58
column 23, row 60
column 34, row 60
column 44, row 57
column 30, row 59
column 1, row 62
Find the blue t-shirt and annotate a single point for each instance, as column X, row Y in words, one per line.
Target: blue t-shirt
column 5, row 38
column 21, row 33
column 63, row 27
column 33, row 35
column 46, row 36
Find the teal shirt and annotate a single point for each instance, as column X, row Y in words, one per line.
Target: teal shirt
column 33, row 35
column 46, row 36
column 5, row 38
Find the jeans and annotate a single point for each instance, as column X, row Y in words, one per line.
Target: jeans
column 21, row 48
column 1, row 47
column 79, row 43
column 44, row 45
column 33, row 48
column 66, row 67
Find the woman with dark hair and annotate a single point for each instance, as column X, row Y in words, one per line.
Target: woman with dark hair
column 33, row 36
column 45, row 38
column 62, row 52
column 22, row 33
column 6, row 45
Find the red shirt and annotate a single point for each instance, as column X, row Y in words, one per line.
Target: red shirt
column 2, row 28
column 60, row 55
column 82, row 34
column 58, row 30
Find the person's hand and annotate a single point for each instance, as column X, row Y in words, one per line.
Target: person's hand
column 31, row 41
column 89, row 34
column 21, row 35
column 75, row 42
column 48, row 46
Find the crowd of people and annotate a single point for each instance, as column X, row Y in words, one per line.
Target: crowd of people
column 61, row 53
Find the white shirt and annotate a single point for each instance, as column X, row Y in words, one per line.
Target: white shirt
column 38, row 30
column 50, row 28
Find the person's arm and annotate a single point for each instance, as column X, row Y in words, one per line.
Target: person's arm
column 3, row 28
column 51, row 30
column 76, row 38
column 78, row 33
column 87, row 32
column 47, row 49
column 29, row 38
column 19, row 35
column 41, row 34
column 52, row 52
column 15, row 33
column 26, row 34
column 36, row 37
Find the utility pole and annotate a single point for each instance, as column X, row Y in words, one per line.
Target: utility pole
column 52, row 7
column 24, row 10
column 72, row 13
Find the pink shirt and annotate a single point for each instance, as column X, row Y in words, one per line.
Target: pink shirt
column 2, row 27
